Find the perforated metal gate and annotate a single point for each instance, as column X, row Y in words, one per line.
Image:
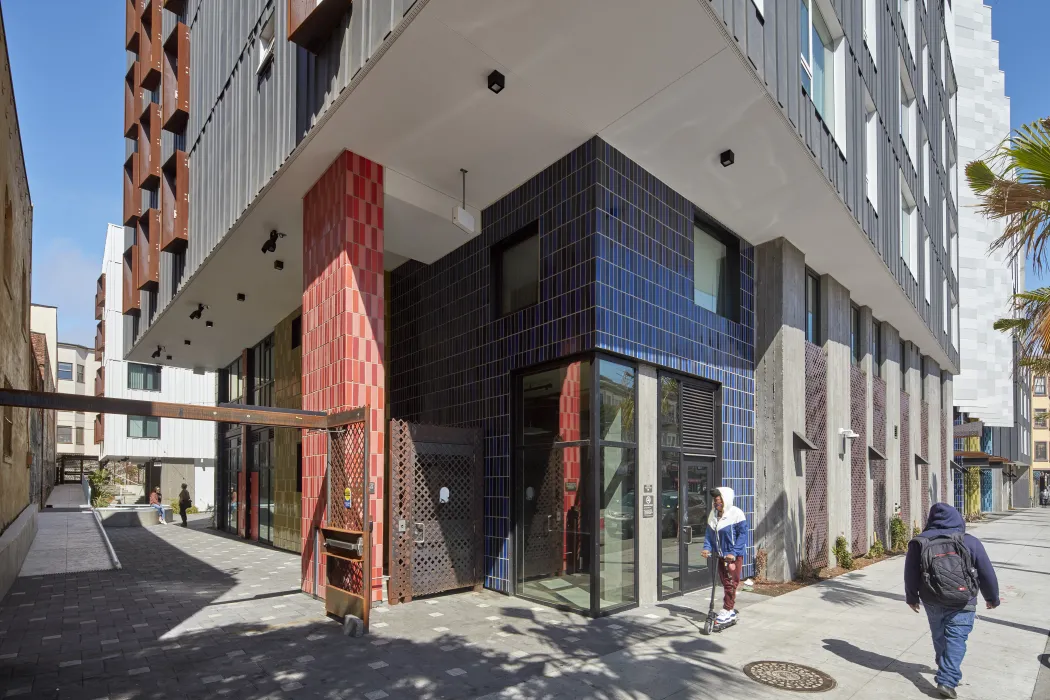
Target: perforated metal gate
column 435, row 510
column 878, row 466
column 347, row 530
column 946, row 444
column 816, row 533
column 859, row 460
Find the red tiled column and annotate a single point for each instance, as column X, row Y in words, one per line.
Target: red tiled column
column 343, row 333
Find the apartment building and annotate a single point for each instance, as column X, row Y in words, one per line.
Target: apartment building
column 1040, row 474
column 992, row 397
column 170, row 452
column 641, row 250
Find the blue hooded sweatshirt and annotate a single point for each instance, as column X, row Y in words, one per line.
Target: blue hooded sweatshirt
column 945, row 520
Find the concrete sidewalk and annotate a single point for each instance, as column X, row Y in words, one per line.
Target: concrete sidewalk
column 66, row 541
column 855, row 628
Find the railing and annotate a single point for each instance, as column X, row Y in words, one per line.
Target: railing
column 311, row 22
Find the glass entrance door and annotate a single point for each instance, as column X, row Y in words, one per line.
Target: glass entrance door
column 688, row 470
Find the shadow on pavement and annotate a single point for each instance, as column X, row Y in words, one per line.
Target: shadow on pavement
column 880, row 662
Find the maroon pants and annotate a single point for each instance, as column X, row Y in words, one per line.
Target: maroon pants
column 730, row 581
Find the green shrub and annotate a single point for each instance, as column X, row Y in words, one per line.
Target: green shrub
column 898, row 534
column 842, row 552
column 100, row 481
column 189, row 511
column 877, row 550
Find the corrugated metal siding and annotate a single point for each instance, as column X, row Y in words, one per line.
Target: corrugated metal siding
column 179, row 438
column 771, row 43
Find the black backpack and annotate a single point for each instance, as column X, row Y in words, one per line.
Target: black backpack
column 948, row 575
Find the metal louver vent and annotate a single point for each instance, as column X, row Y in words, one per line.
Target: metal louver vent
column 698, row 418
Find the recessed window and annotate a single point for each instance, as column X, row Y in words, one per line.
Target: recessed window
column 147, row 427
column 812, row 308
column 267, row 40
column 1040, row 418
column 143, row 377
column 64, row 434
column 1039, row 386
column 907, row 112
column 1040, row 451
column 714, row 262
column 871, row 34
column 854, row 335
column 9, row 428
column 876, row 347
column 80, row 435
column 65, row 371
column 297, row 331
column 904, row 366
column 927, row 268
column 80, row 374
column 817, row 61
column 908, row 238
column 871, row 142
column 517, row 268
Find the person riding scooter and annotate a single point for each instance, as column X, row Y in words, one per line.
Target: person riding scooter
column 727, row 537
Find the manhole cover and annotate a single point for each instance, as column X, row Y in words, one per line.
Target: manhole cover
column 787, row 676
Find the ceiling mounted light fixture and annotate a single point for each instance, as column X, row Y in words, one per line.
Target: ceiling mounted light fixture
column 726, row 158
column 156, row 353
column 496, row 82
column 187, row 342
column 196, row 313
column 169, row 357
column 270, row 246
column 278, row 264
column 209, row 324
column 240, row 297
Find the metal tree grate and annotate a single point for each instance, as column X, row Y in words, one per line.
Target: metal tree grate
column 788, row 676
column 859, row 460
column 816, row 532
column 878, row 466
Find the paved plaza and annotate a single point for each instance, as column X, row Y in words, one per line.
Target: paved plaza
column 197, row 614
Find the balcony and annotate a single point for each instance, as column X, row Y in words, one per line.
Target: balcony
column 131, row 25
column 147, row 239
column 100, row 296
column 311, row 22
column 132, row 302
column 132, row 198
column 149, row 147
column 98, row 424
column 100, row 342
column 174, row 203
column 132, row 100
column 176, row 81
column 151, row 45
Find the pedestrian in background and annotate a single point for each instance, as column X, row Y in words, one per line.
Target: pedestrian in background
column 944, row 570
column 157, row 504
column 185, row 501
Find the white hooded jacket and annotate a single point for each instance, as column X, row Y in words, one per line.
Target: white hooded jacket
column 726, row 534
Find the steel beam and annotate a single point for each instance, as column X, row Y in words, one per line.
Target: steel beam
column 226, row 413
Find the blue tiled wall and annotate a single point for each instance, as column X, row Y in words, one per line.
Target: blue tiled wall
column 616, row 274
column 644, row 246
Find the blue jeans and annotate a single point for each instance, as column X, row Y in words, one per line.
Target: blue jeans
column 950, row 628
column 159, row 509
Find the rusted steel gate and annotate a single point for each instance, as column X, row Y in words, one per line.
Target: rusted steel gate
column 436, row 495
column 346, row 532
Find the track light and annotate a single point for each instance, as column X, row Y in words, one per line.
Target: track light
column 156, row 353
column 195, row 315
column 496, row 82
column 270, row 246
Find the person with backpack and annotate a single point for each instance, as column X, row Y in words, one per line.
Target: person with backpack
column 945, row 568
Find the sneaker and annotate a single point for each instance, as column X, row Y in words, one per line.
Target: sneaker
column 725, row 616
column 947, row 692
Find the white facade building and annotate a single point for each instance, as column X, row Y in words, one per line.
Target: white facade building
column 985, row 386
column 73, row 368
column 183, row 450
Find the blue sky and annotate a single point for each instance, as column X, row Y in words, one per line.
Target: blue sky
column 68, row 63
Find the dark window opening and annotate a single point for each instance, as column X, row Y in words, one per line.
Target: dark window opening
column 876, row 347
column 143, row 377
column 297, row 331
column 516, row 263
column 812, row 308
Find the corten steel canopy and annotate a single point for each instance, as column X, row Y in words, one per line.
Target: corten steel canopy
column 224, row 413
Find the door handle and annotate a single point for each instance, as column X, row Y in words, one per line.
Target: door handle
column 549, row 528
column 420, row 534
column 690, row 529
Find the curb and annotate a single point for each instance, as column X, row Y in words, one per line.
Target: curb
column 109, row 545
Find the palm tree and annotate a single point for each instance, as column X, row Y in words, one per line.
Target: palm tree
column 1014, row 187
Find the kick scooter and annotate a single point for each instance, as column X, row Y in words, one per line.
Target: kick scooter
column 712, row 624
